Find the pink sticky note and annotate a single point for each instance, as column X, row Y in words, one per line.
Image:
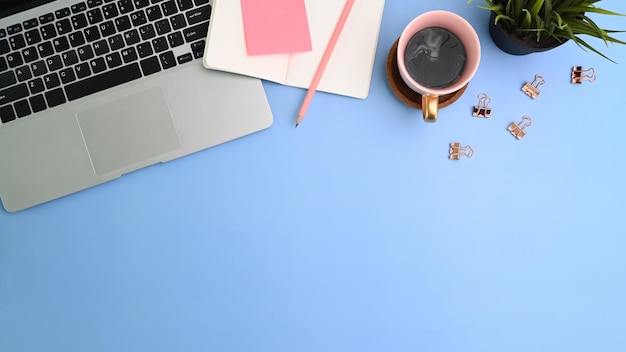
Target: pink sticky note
column 275, row 26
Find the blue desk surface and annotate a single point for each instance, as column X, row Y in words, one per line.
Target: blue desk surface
column 354, row 232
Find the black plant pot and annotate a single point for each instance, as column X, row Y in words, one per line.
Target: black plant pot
column 511, row 44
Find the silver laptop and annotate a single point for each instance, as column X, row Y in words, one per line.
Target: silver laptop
column 93, row 89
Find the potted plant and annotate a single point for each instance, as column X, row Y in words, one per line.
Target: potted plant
column 521, row 27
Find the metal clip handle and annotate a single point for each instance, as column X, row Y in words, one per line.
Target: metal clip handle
column 532, row 89
column 579, row 75
column 482, row 109
column 518, row 130
column 456, row 151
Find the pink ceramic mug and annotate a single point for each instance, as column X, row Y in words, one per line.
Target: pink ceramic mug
column 463, row 31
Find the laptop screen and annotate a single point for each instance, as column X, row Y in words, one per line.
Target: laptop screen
column 9, row 7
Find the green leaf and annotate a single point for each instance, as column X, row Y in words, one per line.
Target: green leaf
column 558, row 19
column 527, row 19
column 534, row 10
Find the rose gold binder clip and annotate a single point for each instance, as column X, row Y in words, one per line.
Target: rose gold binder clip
column 519, row 129
column 579, row 75
column 456, row 151
column 532, row 88
column 482, row 109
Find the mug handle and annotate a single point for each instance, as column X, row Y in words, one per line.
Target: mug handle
column 430, row 107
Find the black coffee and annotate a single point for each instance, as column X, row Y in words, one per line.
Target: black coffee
column 435, row 57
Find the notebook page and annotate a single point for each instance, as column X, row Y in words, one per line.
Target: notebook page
column 349, row 69
column 226, row 46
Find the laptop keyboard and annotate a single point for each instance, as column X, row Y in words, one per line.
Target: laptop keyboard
column 92, row 46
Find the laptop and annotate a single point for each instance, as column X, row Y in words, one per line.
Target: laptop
column 93, row 89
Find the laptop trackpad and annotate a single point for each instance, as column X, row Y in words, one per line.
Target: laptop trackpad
column 128, row 133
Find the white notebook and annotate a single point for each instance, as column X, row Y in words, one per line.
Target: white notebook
column 349, row 71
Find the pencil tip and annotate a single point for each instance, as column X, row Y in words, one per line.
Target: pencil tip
column 299, row 119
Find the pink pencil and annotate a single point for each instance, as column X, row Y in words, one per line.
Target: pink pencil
column 324, row 62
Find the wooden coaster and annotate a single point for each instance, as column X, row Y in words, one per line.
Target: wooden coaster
column 404, row 93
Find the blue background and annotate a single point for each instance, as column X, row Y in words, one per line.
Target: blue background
column 353, row 232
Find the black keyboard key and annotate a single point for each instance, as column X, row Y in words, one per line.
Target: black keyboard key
column 80, row 7
column 7, row 114
column 141, row 3
column 144, row 49
column 51, row 81
column 196, row 32
column 162, row 26
column 154, row 13
column 67, row 75
column 38, row 103
column 17, row 41
column 22, row 108
column 32, row 37
column 92, row 33
column 201, row 2
column 36, row 86
column 85, row 53
column 185, row 58
column 159, row 44
column 184, row 4
column 198, row 49
column 32, row 23
column 169, row 8
column 4, row 46
column 129, row 55
column 55, row 97
column 150, row 65
column 107, row 28
column 30, row 54
column 109, row 11
column 76, row 39
column 175, row 39
column 15, row 59
column 23, row 73
column 47, row 18
column 95, row 16
column 113, row 60
column 116, row 42
column 60, row 44
column 62, row 13
column 94, row 3
column 122, row 23
column 98, row 65
column 138, row 18
column 132, row 37
column 39, row 68
column 7, row 79
column 16, row 28
column 69, row 58
column 100, row 47
column 82, row 70
column 167, row 60
column 79, row 21
column 198, row 15
column 3, row 64
column 11, row 94
column 48, row 31
column 147, row 32
column 64, row 26
column 125, row 6
column 45, row 49
column 54, row 63
column 103, row 81
column 178, row 21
